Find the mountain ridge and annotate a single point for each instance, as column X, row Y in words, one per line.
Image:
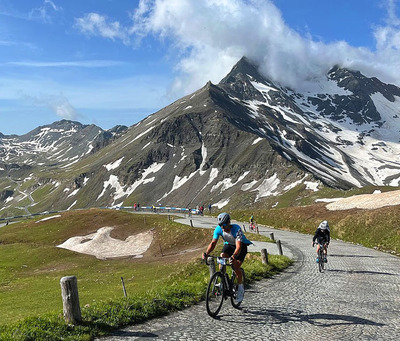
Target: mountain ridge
column 241, row 141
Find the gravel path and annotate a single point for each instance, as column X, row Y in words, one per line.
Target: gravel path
column 356, row 298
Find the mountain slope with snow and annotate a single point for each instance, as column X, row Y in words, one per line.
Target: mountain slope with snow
column 239, row 142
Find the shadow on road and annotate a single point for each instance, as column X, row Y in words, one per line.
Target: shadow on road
column 352, row 256
column 361, row 272
column 123, row 333
column 322, row 320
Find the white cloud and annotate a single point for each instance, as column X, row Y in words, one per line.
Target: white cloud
column 95, row 24
column 203, row 32
column 45, row 12
column 59, row 104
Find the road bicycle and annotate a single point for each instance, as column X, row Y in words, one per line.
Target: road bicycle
column 321, row 258
column 221, row 286
column 253, row 227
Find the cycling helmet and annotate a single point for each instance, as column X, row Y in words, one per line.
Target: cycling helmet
column 223, row 218
column 324, row 225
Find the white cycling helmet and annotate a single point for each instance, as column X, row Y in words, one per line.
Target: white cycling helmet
column 223, row 218
column 324, row 225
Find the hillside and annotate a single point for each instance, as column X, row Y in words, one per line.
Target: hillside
column 244, row 142
column 32, row 263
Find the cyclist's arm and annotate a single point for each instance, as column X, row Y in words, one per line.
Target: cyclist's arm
column 315, row 236
column 211, row 246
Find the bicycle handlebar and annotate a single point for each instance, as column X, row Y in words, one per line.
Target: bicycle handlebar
column 220, row 260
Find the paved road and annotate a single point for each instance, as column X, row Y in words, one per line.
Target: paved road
column 357, row 298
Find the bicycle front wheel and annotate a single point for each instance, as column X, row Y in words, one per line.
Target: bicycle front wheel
column 215, row 294
column 321, row 264
column 235, row 285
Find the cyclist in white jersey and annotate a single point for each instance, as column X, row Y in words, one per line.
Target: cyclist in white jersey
column 235, row 246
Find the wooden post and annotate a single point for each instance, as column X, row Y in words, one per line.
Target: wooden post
column 264, row 256
column 211, row 265
column 69, row 293
column 271, row 235
column 123, row 286
column 278, row 242
column 191, row 223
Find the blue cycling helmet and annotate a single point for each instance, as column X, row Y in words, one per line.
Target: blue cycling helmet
column 223, row 218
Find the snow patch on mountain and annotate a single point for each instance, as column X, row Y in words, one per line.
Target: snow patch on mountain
column 114, row 165
column 227, row 183
column 268, row 187
column 121, row 191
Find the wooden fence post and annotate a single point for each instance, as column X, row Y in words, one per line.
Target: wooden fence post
column 278, row 242
column 271, row 235
column 211, row 265
column 123, row 286
column 70, row 297
column 264, row 256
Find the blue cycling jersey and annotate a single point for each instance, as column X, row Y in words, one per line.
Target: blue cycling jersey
column 232, row 236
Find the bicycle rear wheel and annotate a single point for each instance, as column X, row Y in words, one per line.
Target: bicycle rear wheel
column 235, row 285
column 215, row 294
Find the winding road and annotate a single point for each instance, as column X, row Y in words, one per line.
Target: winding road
column 356, row 298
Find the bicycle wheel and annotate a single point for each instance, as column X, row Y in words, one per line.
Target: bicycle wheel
column 321, row 264
column 215, row 294
column 235, row 285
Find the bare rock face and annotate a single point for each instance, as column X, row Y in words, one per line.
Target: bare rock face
column 241, row 141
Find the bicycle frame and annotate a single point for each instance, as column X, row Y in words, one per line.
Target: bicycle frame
column 223, row 262
column 321, row 256
column 220, row 287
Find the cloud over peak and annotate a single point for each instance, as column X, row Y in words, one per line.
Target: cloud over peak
column 208, row 37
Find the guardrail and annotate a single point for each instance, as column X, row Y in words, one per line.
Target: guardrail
column 155, row 209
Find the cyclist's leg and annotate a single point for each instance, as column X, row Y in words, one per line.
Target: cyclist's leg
column 236, row 267
column 227, row 251
column 237, row 263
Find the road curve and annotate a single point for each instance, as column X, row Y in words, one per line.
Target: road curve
column 356, row 298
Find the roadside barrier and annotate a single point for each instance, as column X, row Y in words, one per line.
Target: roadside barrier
column 70, row 297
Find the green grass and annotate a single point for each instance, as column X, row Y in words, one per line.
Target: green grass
column 377, row 228
column 181, row 289
column 162, row 281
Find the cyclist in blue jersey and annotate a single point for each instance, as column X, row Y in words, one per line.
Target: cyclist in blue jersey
column 235, row 246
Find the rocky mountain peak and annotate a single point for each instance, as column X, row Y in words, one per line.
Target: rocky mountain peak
column 239, row 142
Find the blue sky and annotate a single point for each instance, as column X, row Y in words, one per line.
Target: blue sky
column 111, row 62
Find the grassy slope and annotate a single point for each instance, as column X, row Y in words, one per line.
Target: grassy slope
column 31, row 268
column 372, row 228
column 30, row 262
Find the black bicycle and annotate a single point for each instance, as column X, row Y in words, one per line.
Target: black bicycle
column 321, row 258
column 221, row 286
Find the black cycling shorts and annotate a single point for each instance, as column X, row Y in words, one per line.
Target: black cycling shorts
column 230, row 249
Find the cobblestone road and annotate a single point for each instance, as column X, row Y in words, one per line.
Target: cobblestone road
column 356, row 298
